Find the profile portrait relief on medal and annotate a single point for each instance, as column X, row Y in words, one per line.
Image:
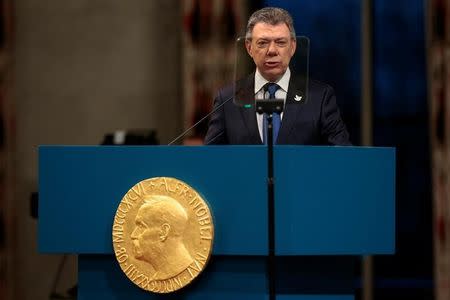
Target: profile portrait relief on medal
column 158, row 236
column 162, row 234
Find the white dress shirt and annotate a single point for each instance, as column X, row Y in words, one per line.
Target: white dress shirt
column 281, row 93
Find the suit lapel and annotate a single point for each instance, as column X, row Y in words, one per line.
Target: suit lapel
column 291, row 110
column 247, row 85
column 249, row 116
column 292, row 107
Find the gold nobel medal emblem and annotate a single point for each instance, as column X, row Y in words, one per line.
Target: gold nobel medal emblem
column 162, row 234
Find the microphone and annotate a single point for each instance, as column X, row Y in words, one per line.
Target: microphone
column 201, row 120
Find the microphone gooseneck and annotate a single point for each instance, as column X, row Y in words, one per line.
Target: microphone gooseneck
column 200, row 121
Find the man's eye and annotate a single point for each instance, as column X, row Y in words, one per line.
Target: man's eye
column 281, row 43
column 262, row 44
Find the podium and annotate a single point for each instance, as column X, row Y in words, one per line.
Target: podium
column 332, row 204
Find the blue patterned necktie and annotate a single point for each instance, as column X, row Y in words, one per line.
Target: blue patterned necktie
column 276, row 120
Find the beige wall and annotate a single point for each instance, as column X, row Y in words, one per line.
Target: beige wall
column 82, row 69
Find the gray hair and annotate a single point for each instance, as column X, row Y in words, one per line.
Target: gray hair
column 272, row 16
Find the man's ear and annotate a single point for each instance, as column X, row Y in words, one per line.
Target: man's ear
column 248, row 46
column 294, row 47
column 165, row 229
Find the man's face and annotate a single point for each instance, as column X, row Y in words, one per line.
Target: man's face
column 271, row 48
column 145, row 237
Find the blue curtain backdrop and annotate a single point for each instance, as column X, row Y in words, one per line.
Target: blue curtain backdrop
column 400, row 115
column 401, row 120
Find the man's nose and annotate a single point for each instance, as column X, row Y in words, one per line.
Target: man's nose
column 133, row 234
column 272, row 50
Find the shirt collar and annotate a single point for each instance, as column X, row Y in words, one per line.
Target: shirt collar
column 283, row 82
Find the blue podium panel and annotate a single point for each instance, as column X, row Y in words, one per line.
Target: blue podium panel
column 334, row 200
column 331, row 203
column 226, row 277
column 81, row 187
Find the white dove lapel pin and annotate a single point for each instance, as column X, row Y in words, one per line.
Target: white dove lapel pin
column 298, row 98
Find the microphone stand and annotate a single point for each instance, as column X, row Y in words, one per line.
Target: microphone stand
column 269, row 107
column 199, row 121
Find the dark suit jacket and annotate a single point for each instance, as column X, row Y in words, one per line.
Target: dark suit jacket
column 314, row 122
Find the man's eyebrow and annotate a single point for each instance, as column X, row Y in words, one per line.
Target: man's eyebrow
column 143, row 223
column 272, row 39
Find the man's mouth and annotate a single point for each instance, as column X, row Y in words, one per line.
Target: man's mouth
column 271, row 64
